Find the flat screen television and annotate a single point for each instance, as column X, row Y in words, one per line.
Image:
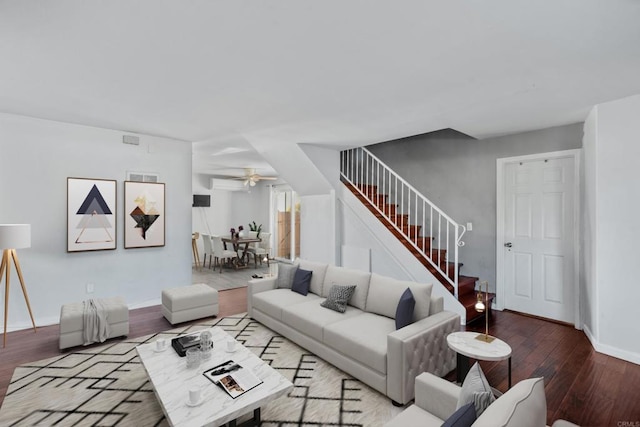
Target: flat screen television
column 201, row 200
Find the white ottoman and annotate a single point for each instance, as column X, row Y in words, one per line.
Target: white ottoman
column 72, row 321
column 189, row 303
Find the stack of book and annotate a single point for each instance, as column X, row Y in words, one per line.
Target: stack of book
column 182, row 343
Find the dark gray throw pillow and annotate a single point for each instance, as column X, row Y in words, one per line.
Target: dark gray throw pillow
column 339, row 297
column 285, row 275
column 463, row 417
column 404, row 311
column 301, row 281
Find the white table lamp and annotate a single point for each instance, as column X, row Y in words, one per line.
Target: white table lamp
column 12, row 237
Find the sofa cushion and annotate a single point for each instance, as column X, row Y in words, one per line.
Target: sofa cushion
column 474, row 383
column 338, row 297
column 344, row 276
column 285, row 275
column 463, row 417
column 301, row 281
column 385, row 292
column 363, row 338
column 404, row 311
column 317, row 278
column 273, row 301
column 524, row 405
column 310, row 318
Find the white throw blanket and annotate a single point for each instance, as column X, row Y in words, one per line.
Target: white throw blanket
column 96, row 327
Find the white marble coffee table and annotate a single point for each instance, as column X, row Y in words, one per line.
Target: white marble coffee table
column 171, row 381
column 467, row 346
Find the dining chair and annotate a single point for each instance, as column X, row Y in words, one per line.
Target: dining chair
column 261, row 249
column 208, row 249
column 194, row 247
column 220, row 253
column 249, row 252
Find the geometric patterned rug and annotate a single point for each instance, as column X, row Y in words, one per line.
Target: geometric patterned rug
column 106, row 385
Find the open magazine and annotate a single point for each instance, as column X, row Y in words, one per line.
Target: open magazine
column 233, row 378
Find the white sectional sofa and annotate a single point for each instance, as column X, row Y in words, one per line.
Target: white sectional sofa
column 362, row 341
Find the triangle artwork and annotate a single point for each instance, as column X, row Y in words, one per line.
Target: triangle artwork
column 145, row 213
column 94, row 226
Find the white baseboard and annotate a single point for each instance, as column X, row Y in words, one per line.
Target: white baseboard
column 609, row 350
column 54, row 320
column 40, row 321
column 148, row 303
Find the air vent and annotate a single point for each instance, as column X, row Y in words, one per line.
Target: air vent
column 131, row 139
column 143, row 177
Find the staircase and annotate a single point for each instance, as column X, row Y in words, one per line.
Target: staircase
column 427, row 232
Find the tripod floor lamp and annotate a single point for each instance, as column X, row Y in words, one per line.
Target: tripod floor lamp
column 12, row 237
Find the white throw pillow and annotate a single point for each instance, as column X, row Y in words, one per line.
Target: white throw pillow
column 476, row 390
column 286, row 272
column 524, row 405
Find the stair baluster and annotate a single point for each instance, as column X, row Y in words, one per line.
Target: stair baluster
column 407, row 211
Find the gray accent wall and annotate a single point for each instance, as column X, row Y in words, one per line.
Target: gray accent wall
column 458, row 174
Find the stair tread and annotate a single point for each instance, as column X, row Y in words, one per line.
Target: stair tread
column 376, row 202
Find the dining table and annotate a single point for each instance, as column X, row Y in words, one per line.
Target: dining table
column 241, row 246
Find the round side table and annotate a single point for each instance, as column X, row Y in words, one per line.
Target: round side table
column 467, row 346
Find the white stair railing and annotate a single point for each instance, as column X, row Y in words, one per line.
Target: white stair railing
column 410, row 213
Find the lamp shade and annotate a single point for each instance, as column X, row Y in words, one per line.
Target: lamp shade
column 15, row 236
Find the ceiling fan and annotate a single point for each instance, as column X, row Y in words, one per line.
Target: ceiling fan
column 250, row 177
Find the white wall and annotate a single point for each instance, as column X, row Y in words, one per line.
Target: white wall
column 214, row 219
column 588, row 261
column 248, row 206
column 611, row 212
column 293, row 166
column 36, row 157
column 320, row 238
column 317, row 228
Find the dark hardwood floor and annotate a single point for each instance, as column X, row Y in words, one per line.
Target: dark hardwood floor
column 582, row 386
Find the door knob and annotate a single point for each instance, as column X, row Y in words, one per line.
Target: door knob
column 508, row 245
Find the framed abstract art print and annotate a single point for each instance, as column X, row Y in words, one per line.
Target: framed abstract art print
column 91, row 214
column 144, row 214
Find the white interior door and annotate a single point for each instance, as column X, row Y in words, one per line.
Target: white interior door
column 539, row 237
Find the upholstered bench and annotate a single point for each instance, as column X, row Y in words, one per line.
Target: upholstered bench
column 189, row 303
column 72, row 321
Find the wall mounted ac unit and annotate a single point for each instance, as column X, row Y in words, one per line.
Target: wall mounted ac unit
column 227, row 184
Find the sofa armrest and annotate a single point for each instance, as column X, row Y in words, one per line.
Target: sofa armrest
column 437, row 396
column 417, row 348
column 255, row 286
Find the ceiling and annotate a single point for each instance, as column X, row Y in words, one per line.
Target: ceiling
column 231, row 74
